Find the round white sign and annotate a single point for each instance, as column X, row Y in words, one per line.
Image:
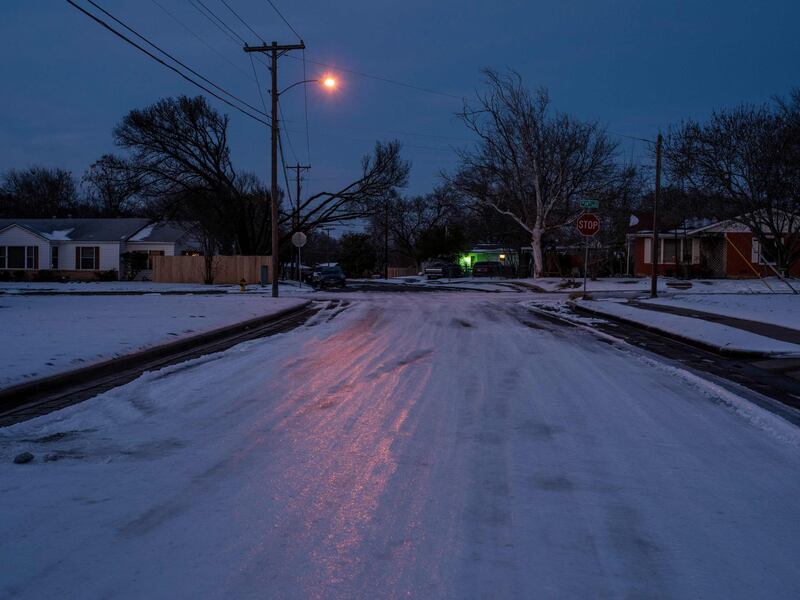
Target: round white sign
column 299, row 239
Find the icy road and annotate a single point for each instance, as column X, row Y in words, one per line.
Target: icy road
column 412, row 445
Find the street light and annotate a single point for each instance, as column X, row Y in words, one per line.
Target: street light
column 328, row 82
column 275, row 51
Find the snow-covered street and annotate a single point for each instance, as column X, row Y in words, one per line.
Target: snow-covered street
column 437, row 445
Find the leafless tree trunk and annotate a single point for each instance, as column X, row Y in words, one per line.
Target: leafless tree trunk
column 532, row 164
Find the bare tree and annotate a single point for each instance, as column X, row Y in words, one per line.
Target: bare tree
column 39, row 192
column 532, row 164
column 381, row 173
column 749, row 158
column 180, row 158
column 112, row 187
column 415, row 223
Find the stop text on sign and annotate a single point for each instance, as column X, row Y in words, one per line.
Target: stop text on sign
column 588, row 224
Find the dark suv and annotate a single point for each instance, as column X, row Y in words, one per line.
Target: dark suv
column 324, row 277
column 487, row 268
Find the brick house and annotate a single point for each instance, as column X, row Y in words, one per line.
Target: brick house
column 698, row 248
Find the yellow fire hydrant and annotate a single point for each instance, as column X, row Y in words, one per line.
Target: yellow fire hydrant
column 243, row 285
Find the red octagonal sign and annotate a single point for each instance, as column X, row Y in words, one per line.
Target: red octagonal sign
column 588, row 224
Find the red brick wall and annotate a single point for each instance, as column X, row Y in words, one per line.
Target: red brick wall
column 736, row 265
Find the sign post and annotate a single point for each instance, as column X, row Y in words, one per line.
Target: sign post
column 299, row 240
column 588, row 225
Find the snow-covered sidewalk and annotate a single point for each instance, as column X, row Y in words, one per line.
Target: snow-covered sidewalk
column 779, row 309
column 717, row 335
column 46, row 335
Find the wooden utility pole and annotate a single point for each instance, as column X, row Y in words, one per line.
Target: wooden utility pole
column 386, row 239
column 296, row 220
column 656, row 198
column 274, row 51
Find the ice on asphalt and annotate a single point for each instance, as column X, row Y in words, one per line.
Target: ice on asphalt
column 430, row 446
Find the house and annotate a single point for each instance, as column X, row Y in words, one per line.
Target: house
column 86, row 248
column 489, row 253
column 698, row 248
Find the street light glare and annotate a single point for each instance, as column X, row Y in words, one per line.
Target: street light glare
column 329, row 82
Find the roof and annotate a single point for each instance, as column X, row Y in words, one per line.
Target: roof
column 641, row 223
column 489, row 249
column 100, row 230
column 165, row 233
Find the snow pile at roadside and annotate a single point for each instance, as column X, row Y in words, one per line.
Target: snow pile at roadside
column 714, row 334
column 780, row 309
column 45, row 335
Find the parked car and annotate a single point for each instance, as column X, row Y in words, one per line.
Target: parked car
column 324, row 277
column 487, row 268
column 438, row 270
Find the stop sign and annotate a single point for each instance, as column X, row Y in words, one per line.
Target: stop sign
column 588, row 224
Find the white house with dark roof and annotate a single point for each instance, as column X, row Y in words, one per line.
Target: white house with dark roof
column 82, row 248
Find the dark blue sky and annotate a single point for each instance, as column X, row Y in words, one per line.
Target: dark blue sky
column 634, row 65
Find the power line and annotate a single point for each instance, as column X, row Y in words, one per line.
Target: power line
column 294, row 31
column 214, row 22
column 170, row 67
column 384, row 79
column 242, row 21
column 283, row 167
column 219, row 20
column 288, row 137
column 170, row 56
column 224, row 28
column 173, row 58
column 631, row 137
column 258, row 83
column 200, row 39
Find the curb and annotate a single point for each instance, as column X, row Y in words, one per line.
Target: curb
column 17, row 395
column 722, row 351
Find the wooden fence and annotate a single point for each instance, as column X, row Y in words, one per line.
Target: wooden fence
column 402, row 271
column 226, row 269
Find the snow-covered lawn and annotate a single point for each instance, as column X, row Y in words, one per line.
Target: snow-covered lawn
column 414, row 446
column 715, row 334
column 782, row 309
column 137, row 287
column 44, row 335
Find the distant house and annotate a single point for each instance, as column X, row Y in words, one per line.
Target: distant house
column 508, row 257
column 84, row 248
column 698, row 248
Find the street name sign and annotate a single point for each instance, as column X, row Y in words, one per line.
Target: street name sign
column 590, row 204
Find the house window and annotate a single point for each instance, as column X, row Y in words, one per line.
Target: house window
column 87, row 258
column 648, row 251
column 54, row 258
column 669, row 251
column 19, row 257
column 755, row 254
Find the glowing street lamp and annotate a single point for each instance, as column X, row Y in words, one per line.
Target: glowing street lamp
column 329, row 82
